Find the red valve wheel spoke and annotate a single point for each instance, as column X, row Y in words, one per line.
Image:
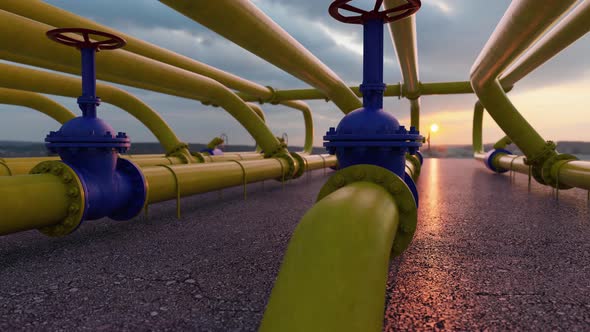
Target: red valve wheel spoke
column 353, row 9
column 377, row 5
column 112, row 42
column 403, row 11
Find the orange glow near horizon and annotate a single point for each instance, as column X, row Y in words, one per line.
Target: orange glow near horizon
column 558, row 112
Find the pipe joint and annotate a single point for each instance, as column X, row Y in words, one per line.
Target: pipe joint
column 394, row 185
column 296, row 164
column 489, row 160
column 182, row 151
column 550, row 170
column 76, row 197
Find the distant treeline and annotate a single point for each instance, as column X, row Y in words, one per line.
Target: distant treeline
column 32, row 149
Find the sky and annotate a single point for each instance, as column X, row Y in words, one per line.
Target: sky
column 451, row 34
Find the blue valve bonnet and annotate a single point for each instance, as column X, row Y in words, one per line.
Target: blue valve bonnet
column 370, row 135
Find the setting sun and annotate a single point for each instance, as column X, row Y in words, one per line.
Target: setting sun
column 433, row 128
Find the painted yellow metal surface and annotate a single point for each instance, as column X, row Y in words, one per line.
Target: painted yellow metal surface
column 263, row 37
column 46, row 191
column 127, row 68
column 37, row 102
column 29, row 79
column 334, row 272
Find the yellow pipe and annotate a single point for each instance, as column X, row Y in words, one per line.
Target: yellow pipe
column 38, row 102
column 28, row 79
column 571, row 28
column 199, row 178
column 308, row 121
column 403, row 35
column 50, row 15
column 45, row 192
column 334, row 273
column 316, row 161
column 263, row 37
column 119, row 66
column 517, row 31
column 57, row 17
column 392, row 90
column 256, row 108
column 20, row 166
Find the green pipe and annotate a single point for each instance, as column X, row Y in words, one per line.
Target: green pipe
column 263, row 37
column 392, row 90
column 514, row 34
column 334, row 273
column 37, row 102
column 566, row 32
column 28, row 79
column 119, row 66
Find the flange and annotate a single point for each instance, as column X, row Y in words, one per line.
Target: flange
column 408, row 212
column 76, row 192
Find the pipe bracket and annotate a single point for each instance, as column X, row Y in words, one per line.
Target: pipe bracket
column 550, row 170
column 76, row 197
column 402, row 194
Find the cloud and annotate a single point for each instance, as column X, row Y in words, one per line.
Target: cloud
column 450, row 36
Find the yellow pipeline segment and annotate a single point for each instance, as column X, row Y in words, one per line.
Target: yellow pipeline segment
column 122, row 67
column 45, row 13
column 307, row 120
column 199, row 178
column 36, row 101
column 53, row 198
column 567, row 31
column 263, row 37
column 517, row 31
column 256, row 108
column 403, row 34
column 20, row 166
column 392, row 90
column 334, row 273
column 46, row 191
column 22, row 78
column 568, row 173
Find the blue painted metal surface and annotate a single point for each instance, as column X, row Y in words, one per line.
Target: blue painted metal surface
column 114, row 187
column 490, row 155
column 370, row 135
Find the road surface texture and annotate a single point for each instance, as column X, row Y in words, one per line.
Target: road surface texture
column 487, row 255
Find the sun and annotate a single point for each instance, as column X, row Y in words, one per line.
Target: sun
column 433, row 128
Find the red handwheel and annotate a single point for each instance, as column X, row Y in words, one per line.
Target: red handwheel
column 389, row 15
column 110, row 43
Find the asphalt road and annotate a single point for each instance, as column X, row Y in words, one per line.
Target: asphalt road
column 487, row 255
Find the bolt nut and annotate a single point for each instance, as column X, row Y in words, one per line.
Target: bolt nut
column 73, row 208
column 67, row 178
column 338, row 181
column 359, row 174
column 73, row 192
column 57, row 170
column 395, row 188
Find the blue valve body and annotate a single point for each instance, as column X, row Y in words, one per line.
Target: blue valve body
column 370, row 135
column 114, row 187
